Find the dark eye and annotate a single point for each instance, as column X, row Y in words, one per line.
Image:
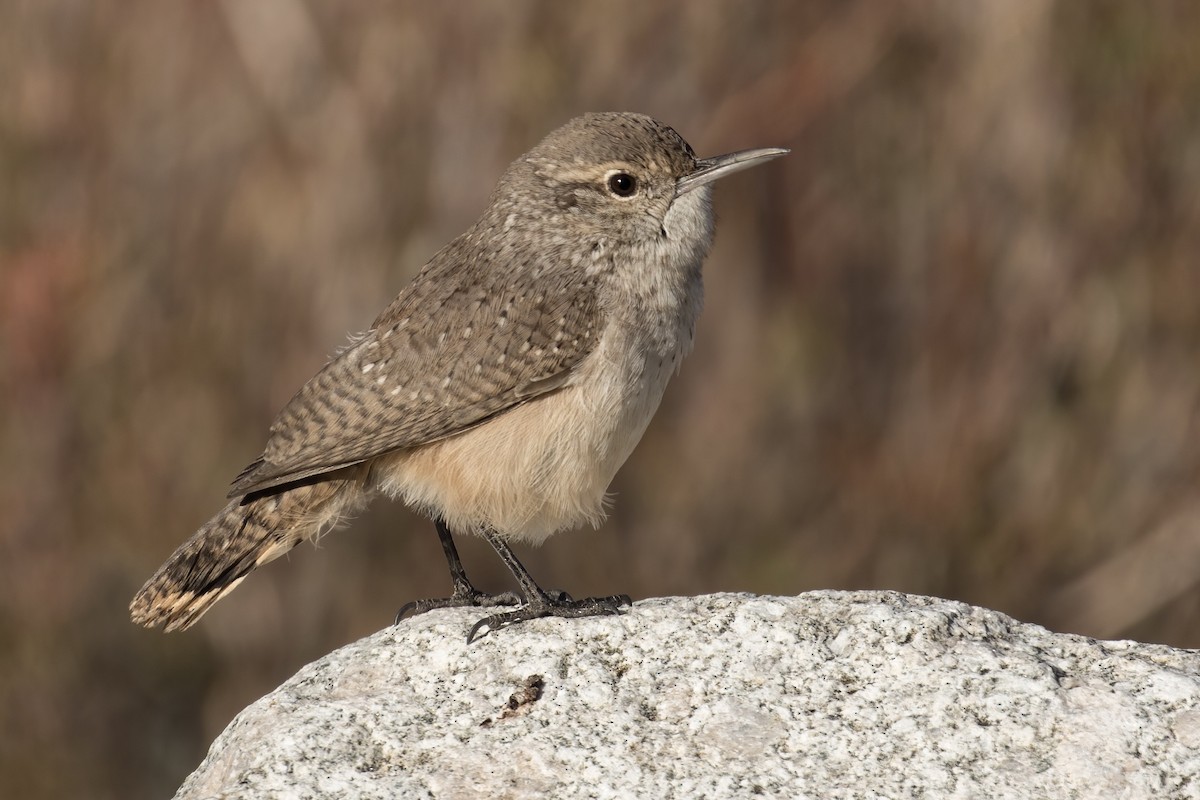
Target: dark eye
column 622, row 184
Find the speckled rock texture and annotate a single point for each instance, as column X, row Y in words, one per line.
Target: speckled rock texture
column 825, row 695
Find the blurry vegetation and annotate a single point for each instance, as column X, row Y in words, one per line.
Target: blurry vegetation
column 952, row 343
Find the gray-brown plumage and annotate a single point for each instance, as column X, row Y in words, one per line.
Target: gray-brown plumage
column 445, row 355
column 502, row 389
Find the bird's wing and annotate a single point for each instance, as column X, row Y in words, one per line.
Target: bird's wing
column 446, row 355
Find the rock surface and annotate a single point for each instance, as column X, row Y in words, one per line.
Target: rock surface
column 825, row 695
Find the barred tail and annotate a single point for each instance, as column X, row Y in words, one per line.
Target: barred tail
column 243, row 536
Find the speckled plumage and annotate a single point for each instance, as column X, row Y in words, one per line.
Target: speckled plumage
column 503, row 388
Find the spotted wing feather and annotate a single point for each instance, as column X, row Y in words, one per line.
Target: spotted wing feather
column 447, row 354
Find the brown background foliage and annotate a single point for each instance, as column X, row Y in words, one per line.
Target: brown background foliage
column 951, row 342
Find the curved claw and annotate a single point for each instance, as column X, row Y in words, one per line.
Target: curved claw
column 404, row 609
column 486, row 622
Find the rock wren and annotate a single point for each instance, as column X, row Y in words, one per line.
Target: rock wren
column 502, row 389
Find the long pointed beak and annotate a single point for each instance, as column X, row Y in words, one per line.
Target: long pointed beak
column 709, row 169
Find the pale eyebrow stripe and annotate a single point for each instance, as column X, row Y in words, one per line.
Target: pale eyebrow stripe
column 590, row 173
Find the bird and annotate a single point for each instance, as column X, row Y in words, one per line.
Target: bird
column 502, row 389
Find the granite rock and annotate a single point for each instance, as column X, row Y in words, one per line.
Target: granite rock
column 825, row 695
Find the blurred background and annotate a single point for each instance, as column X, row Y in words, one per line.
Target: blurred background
column 951, row 344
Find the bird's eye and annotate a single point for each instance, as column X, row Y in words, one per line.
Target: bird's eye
column 622, row 184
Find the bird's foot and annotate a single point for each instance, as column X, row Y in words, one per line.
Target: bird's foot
column 552, row 604
column 466, row 596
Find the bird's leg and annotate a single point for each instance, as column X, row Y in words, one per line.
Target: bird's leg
column 465, row 593
column 538, row 602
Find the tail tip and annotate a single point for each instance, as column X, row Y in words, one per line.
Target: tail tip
column 172, row 611
column 173, row 608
